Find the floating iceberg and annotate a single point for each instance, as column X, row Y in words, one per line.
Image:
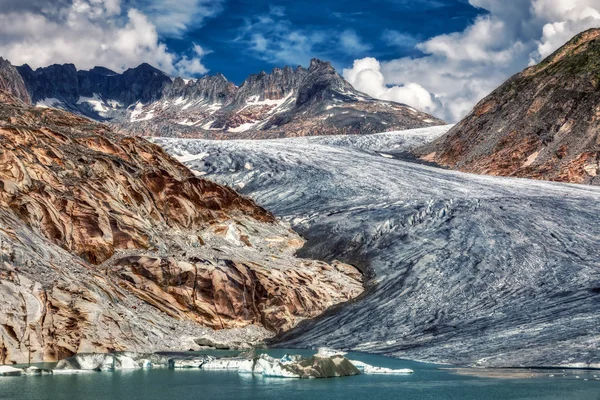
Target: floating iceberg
column 6, row 370
column 230, row 364
column 109, row 362
column 370, row 369
column 36, row 371
column 327, row 363
column 271, row 367
column 87, row 362
column 190, row 362
column 317, row 366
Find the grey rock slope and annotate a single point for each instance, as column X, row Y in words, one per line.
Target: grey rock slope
column 465, row 269
column 286, row 102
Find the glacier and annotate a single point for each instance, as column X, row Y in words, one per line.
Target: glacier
column 462, row 269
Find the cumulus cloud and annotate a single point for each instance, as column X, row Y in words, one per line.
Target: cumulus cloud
column 191, row 66
column 365, row 75
column 88, row 33
column 459, row 69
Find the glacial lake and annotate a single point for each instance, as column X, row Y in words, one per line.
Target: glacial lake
column 428, row 382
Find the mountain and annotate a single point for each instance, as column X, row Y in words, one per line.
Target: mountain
column 286, row 102
column 461, row 269
column 543, row 123
column 107, row 243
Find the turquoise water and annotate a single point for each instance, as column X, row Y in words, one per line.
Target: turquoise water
column 427, row 383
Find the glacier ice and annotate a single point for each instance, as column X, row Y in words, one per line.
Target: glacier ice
column 465, row 269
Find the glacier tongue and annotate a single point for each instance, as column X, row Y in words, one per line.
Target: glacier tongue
column 467, row 269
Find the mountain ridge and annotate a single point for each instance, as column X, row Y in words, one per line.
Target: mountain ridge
column 286, row 102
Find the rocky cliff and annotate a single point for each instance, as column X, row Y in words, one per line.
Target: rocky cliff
column 543, row 123
column 11, row 81
column 107, row 243
column 286, row 102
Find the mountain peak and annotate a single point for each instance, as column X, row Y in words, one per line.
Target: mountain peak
column 144, row 68
column 316, row 63
column 102, row 71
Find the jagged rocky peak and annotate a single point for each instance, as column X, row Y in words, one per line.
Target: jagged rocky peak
column 141, row 84
column 11, row 82
column 280, row 83
column 543, row 123
column 65, row 85
column 210, row 88
column 321, row 81
column 53, row 82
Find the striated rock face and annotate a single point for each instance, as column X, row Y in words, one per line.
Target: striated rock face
column 11, row 81
column 543, row 123
column 107, row 243
column 286, row 102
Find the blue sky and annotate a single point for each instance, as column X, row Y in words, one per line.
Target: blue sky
column 440, row 56
column 338, row 31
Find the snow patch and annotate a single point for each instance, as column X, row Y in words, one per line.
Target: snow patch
column 187, row 123
column 49, row 102
column 95, row 102
column 243, row 127
column 136, row 114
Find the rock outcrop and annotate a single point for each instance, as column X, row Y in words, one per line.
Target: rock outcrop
column 109, row 244
column 11, row 82
column 543, row 123
column 286, row 102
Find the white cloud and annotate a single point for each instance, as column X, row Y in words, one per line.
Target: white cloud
column 192, row 66
column 175, row 17
column 365, row 75
column 273, row 38
column 459, row 69
column 398, row 39
column 352, row 44
column 88, row 33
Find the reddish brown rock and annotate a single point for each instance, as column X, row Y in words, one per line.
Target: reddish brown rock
column 107, row 243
